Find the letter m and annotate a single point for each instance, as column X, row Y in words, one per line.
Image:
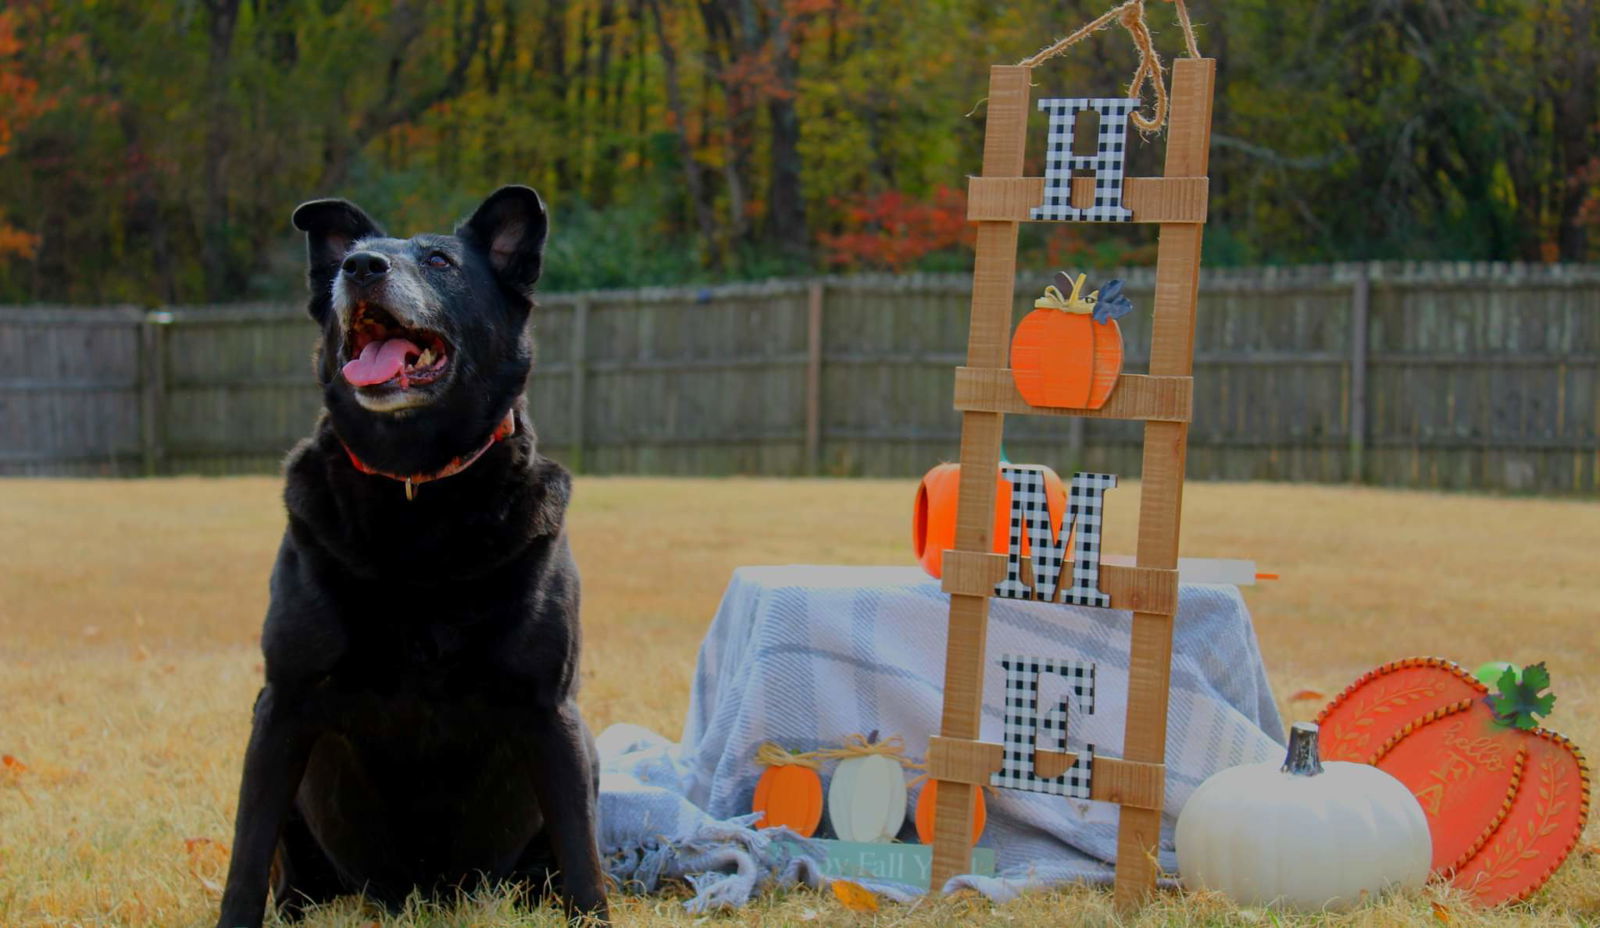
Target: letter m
column 1080, row 527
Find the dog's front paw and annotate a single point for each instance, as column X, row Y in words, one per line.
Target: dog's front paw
column 588, row 910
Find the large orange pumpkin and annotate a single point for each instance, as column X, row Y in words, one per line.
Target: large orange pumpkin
column 1064, row 353
column 789, row 794
column 1505, row 805
column 929, row 801
column 933, row 520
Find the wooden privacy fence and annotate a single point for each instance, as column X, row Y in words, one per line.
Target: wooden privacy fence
column 1429, row 375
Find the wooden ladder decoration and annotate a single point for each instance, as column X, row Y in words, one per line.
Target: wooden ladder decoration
column 985, row 393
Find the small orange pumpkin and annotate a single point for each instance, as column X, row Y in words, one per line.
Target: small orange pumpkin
column 1067, row 353
column 1505, row 801
column 929, row 801
column 933, row 520
column 789, row 792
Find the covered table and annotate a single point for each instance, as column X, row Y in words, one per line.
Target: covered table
column 804, row 655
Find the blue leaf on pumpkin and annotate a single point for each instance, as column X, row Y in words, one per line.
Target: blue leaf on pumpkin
column 1111, row 304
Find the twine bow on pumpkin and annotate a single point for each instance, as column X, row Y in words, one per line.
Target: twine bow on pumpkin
column 1053, row 299
column 859, row 745
column 771, row 755
column 1105, row 303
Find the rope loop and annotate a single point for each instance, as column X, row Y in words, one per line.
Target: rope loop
column 1130, row 14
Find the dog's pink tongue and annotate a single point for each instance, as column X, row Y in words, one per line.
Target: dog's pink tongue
column 380, row 361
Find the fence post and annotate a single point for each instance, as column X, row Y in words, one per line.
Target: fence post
column 1360, row 301
column 579, row 360
column 153, row 391
column 813, row 451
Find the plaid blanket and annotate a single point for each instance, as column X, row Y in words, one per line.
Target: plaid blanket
column 804, row 656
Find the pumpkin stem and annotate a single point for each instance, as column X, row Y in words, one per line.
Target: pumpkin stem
column 1304, row 760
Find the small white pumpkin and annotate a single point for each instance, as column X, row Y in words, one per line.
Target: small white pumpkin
column 1305, row 836
column 867, row 798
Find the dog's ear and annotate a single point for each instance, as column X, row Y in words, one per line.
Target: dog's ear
column 510, row 227
column 331, row 227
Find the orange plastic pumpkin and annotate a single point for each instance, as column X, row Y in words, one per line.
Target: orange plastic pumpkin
column 929, row 801
column 933, row 520
column 1062, row 355
column 1505, row 805
column 789, row 795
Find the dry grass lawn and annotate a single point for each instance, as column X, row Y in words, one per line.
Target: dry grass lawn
column 129, row 613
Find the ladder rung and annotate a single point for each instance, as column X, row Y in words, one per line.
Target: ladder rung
column 1137, row 589
column 1136, row 396
column 1127, row 782
column 1151, row 199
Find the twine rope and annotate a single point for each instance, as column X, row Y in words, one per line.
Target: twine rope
column 1131, row 15
column 771, row 755
column 1188, row 28
column 859, row 746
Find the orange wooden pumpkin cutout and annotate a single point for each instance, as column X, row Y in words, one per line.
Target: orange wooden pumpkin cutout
column 1505, row 805
column 929, row 801
column 933, row 517
column 789, row 792
column 1066, row 353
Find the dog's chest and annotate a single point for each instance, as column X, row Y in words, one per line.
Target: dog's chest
column 418, row 683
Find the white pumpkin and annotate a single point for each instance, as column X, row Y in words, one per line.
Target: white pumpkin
column 1304, row 836
column 867, row 799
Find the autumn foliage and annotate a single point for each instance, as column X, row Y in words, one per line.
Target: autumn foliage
column 683, row 141
column 19, row 104
column 893, row 231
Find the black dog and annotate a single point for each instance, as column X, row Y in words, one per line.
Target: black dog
column 417, row 729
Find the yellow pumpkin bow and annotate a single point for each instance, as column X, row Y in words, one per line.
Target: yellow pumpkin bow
column 771, row 755
column 1079, row 302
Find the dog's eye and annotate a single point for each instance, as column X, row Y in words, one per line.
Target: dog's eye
column 437, row 259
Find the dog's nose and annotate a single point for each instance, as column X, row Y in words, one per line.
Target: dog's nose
column 365, row 266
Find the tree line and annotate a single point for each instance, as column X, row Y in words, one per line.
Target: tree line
column 151, row 151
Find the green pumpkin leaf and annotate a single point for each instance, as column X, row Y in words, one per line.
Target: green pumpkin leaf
column 1519, row 702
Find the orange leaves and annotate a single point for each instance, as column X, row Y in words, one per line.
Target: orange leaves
column 208, row 862
column 19, row 103
column 752, row 78
column 23, row 776
column 854, row 896
column 893, row 231
column 19, row 94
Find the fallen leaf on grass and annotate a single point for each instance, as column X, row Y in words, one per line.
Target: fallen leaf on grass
column 208, row 859
column 11, row 770
column 1306, row 696
column 856, row 898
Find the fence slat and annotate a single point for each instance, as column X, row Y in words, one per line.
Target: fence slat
column 579, row 364
column 152, row 393
column 1360, row 297
column 814, row 378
